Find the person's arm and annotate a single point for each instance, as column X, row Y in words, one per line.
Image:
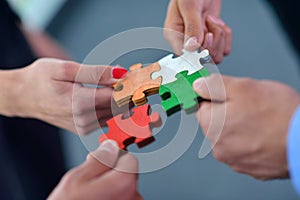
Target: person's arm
column 52, row 90
column 247, row 121
column 43, row 45
column 102, row 176
column 293, row 150
column 197, row 23
column 10, row 85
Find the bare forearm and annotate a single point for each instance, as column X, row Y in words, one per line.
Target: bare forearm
column 44, row 45
column 10, row 87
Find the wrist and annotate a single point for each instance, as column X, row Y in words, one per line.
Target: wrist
column 293, row 149
column 10, row 88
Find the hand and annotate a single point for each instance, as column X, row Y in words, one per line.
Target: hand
column 51, row 90
column 42, row 44
column 254, row 135
column 95, row 180
column 195, row 23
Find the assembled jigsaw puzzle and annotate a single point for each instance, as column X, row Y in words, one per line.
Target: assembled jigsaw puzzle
column 172, row 78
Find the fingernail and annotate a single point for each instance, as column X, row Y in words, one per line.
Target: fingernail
column 198, row 84
column 210, row 39
column 108, row 145
column 220, row 22
column 192, row 42
column 118, row 72
column 216, row 20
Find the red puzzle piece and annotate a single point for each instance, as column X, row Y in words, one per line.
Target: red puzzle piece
column 135, row 129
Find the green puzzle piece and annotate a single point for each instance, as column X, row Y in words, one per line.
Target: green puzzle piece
column 180, row 93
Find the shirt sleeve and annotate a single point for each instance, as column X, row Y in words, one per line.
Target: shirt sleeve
column 293, row 150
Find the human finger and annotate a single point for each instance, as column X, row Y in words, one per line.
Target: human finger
column 212, row 87
column 90, row 74
column 98, row 162
column 217, row 45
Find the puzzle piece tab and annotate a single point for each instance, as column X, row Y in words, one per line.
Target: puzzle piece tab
column 137, row 85
column 134, row 129
column 170, row 66
column 180, row 93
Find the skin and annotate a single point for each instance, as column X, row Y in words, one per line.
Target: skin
column 52, row 90
column 43, row 45
column 197, row 23
column 253, row 138
column 95, row 180
column 47, row 86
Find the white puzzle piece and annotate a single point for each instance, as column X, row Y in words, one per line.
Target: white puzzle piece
column 171, row 66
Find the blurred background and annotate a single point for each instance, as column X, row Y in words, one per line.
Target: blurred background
column 260, row 50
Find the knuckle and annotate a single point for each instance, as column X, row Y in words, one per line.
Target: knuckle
column 246, row 81
column 82, row 121
column 238, row 169
column 79, row 108
column 82, row 130
column 65, row 68
column 70, row 178
column 191, row 28
column 240, row 84
column 166, row 33
column 219, row 33
column 222, row 32
column 188, row 5
column 218, row 154
column 128, row 185
column 98, row 73
column 249, row 82
column 228, row 30
column 40, row 61
column 132, row 159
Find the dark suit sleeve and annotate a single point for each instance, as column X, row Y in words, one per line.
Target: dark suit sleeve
column 289, row 16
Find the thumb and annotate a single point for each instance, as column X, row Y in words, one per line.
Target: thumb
column 99, row 161
column 193, row 25
column 211, row 87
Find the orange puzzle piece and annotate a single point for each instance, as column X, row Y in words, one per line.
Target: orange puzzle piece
column 134, row 129
column 137, row 85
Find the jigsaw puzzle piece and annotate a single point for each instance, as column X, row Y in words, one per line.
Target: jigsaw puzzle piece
column 170, row 66
column 137, row 85
column 180, row 93
column 134, row 129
